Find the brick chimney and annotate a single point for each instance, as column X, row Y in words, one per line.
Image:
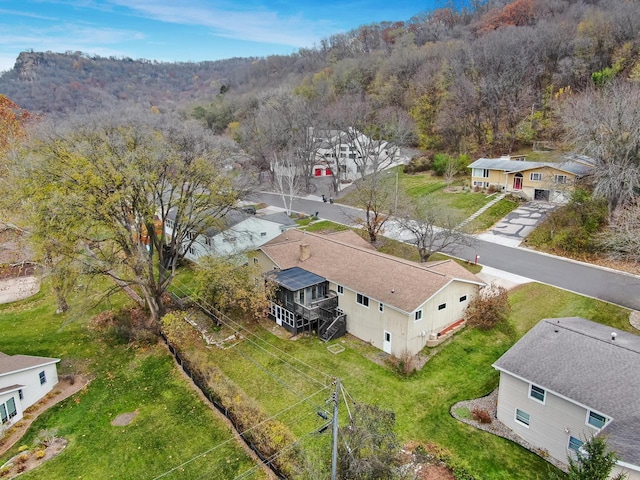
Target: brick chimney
column 305, row 251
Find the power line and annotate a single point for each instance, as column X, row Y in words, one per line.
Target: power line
column 238, row 327
column 195, row 457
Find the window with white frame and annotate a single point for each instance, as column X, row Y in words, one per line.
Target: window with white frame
column 417, row 316
column 596, row 420
column 476, row 183
column 481, row 172
column 560, row 179
column 463, row 298
column 362, row 300
column 263, row 234
column 381, row 307
column 537, row 393
column 523, row 417
column 442, row 306
column 8, row 410
column 340, row 289
column 43, row 378
column 575, row 443
column 255, row 261
column 535, row 177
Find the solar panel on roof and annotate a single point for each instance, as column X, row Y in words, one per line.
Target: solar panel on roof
column 297, row 278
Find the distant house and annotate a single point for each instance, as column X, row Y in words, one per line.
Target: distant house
column 24, row 380
column 345, row 154
column 568, row 379
column 338, row 282
column 239, row 232
column 548, row 181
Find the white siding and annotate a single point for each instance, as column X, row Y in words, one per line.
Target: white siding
column 551, row 423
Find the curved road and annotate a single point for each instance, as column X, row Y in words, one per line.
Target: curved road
column 611, row 286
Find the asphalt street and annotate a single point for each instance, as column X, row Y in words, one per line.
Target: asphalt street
column 612, row 286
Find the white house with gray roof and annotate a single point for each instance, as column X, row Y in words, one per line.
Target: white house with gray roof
column 24, row 380
column 569, row 379
column 239, row 232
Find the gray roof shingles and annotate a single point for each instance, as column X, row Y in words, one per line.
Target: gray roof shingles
column 578, row 359
column 14, row 363
column 569, row 165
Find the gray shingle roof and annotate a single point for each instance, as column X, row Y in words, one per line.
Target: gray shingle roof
column 569, row 165
column 578, row 359
column 14, row 363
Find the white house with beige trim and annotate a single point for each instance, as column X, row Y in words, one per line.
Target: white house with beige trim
column 397, row 305
column 24, row 380
column 569, row 379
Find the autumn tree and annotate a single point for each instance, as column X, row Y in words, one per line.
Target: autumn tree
column 622, row 239
column 227, row 285
column 603, row 124
column 113, row 181
column 489, row 308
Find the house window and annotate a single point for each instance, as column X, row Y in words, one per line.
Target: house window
column 463, row 298
column 537, row 393
column 255, row 261
column 362, row 300
column 575, row 443
column 263, row 234
column 442, row 306
column 596, row 420
column 302, row 297
column 481, row 172
column 478, row 184
column 381, row 307
column 561, row 179
column 536, row 177
column 340, row 289
column 522, row 417
column 3, row 413
column 11, row 407
column 20, row 394
column 417, row 316
column 43, row 378
column 191, row 250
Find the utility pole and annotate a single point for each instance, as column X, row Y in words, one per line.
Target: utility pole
column 334, row 454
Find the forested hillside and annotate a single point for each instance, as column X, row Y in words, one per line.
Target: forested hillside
column 485, row 79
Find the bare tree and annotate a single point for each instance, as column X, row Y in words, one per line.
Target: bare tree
column 603, row 124
column 285, row 172
column 622, row 239
column 434, row 228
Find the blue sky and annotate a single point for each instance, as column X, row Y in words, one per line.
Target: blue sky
column 186, row 30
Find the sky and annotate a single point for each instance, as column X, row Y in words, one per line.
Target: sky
column 186, row 30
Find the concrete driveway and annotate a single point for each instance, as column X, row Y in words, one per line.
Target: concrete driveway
column 515, row 227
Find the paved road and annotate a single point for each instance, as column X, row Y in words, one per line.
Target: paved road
column 614, row 287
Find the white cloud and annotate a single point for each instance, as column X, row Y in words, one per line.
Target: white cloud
column 257, row 25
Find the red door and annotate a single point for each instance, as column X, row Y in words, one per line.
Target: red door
column 318, row 172
column 328, row 172
column 517, row 183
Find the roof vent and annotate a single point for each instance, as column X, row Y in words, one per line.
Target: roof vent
column 613, row 336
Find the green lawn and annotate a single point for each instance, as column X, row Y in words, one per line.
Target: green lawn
column 276, row 372
column 465, row 201
column 173, row 425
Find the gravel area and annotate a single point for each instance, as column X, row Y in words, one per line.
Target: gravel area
column 489, row 403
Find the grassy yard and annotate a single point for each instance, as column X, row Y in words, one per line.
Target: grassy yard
column 172, row 426
column 279, row 372
column 423, row 184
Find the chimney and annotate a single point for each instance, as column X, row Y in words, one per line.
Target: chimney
column 305, row 251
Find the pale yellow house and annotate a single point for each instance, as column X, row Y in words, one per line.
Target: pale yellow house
column 396, row 305
column 548, row 181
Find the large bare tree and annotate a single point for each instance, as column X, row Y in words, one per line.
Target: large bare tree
column 114, row 181
column 603, row 124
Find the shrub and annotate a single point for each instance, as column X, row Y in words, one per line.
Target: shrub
column 128, row 325
column 440, row 162
column 22, row 448
column 406, row 364
column 40, row 454
column 23, row 458
column 417, row 164
column 489, row 308
column 480, row 415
